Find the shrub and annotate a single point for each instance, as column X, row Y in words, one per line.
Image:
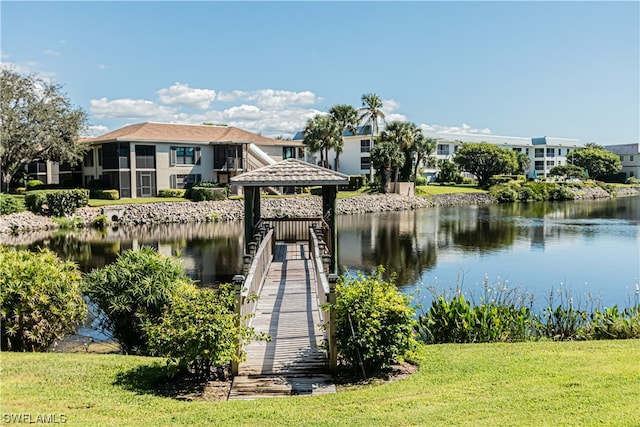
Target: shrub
column 610, row 323
column 198, row 194
column 10, row 204
column 100, row 222
column 40, row 299
column 135, row 289
column 526, row 194
column 632, row 180
column 561, row 193
column 106, row 194
column 20, row 191
column 374, row 321
column 421, row 180
column 561, row 320
column 34, row 184
column 58, row 202
column 172, row 192
column 199, row 331
column 504, row 193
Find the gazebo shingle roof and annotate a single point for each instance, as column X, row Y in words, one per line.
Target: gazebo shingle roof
column 290, row 172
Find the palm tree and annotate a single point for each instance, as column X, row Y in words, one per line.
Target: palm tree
column 346, row 117
column 320, row 134
column 371, row 112
column 424, row 148
column 386, row 155
column 523, row 162
column 400, row 134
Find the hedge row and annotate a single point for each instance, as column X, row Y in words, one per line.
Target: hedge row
column 56, row 202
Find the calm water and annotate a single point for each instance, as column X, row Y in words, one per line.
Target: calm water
column 590, row 248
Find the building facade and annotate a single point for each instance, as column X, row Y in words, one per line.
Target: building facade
column 629, row 157
column 138, row 160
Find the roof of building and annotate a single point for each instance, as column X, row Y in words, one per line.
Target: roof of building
column 172, row 132
column 624, row 148
column 360, row 131
column 505, row 140
column 290, row 172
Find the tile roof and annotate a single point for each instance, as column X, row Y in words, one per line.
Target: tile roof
column 171, row 132
column 290, row 172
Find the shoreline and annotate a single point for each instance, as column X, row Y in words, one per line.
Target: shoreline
column 233, row 210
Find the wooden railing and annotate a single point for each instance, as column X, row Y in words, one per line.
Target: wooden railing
column 325, row 291
column 293, row 229
column 248, row 286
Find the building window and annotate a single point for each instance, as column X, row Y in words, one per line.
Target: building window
column 87, row 180
column 526, row 150
column 365, row 163
column 551, row 163
column 87, row 160
column 99, row 156
column 551, row 152
column 539, row 165
column 227, row 157
column 184, row 181
column 517, row 149
column 288, row 152
column 185, row 156
column 365, row 145
column 622, row 158
column 631, row 158
column 116, row 155
column 443, row 150
column 145, row 156
column 539, row 152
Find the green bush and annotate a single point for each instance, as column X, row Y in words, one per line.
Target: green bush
column 200, row 330
column 561, row 320
column 34, row 184
column 421, row 180
column 172, row 192
column 561, row 193
column 632, row 180
column 20, row 191
column 198, row 194
column 135, row 289
column 374, row 321
column 106, row 194
column 57, row 202
column 40, row 299
column 611, row 323
column 504, row 193
column 10, row 204
column 505, row 179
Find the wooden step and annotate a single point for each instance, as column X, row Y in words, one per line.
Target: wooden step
column 249, row 387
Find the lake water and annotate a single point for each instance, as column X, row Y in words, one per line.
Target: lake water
column 589, row 248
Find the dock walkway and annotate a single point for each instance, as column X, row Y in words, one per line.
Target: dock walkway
column 293, row 362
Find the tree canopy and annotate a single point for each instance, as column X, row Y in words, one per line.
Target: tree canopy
column 385, row 156
column 485, row 160
column 371, row 111
column 320, row 134
column 595, row 160
column 37, row 122
column 346, row 118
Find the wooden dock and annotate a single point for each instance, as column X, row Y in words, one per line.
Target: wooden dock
column 293, row 362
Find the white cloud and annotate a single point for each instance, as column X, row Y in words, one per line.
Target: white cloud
column 95, row 130
column 102, row 67
column 270, row 98
column 130, row 109
column 464, row 128
column 51, row 52
column 182, row 94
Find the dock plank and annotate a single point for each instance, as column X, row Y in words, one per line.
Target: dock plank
column 293, row 362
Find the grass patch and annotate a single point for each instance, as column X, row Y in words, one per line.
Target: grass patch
column 531, row 383
column 100, row 202
column 430, row 190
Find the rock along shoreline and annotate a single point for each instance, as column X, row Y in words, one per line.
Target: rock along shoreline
column 233, row 210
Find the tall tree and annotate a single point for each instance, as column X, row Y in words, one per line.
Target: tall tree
column 402, row 135
column 485, row 160
column 37, row 122
column 320, row 134
column 424, row 148
column 597, row 161
column 346, row 117
column 371, row 112
column 385, row 156
column 523, row 162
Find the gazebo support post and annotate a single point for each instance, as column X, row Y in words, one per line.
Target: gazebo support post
column 329, row 195
column 251, row 213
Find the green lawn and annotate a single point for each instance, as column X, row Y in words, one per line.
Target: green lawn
column 101, row 202
column 429, row 190
column 531, row 384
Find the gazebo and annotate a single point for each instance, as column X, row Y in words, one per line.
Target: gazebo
column 290, row 173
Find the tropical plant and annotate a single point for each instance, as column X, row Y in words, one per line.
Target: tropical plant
column 320, row 134
column 523, row 162
column 137, row 288
column 374, row 321
column 448, row 172
column 424, row 148
column 595, row 161
column 200, row 331
column 40, row 299
column 485, row 160
column 385, row 156
column 37, row 122
column 346, row 118
column 371, row 112
column 10, row 204
column 570, row 171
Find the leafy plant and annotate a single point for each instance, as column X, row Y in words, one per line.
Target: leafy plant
column 200, row 331
column 374, row 321
column 40, row 299
column 611, row 323
column 10, row 204
column 561, row 319
column 137, row 288
column 172, row 192
column 58, row 202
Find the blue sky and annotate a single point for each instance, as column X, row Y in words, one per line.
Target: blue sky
column 562, row 69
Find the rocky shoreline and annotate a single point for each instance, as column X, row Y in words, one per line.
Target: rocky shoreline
column 233, row 210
